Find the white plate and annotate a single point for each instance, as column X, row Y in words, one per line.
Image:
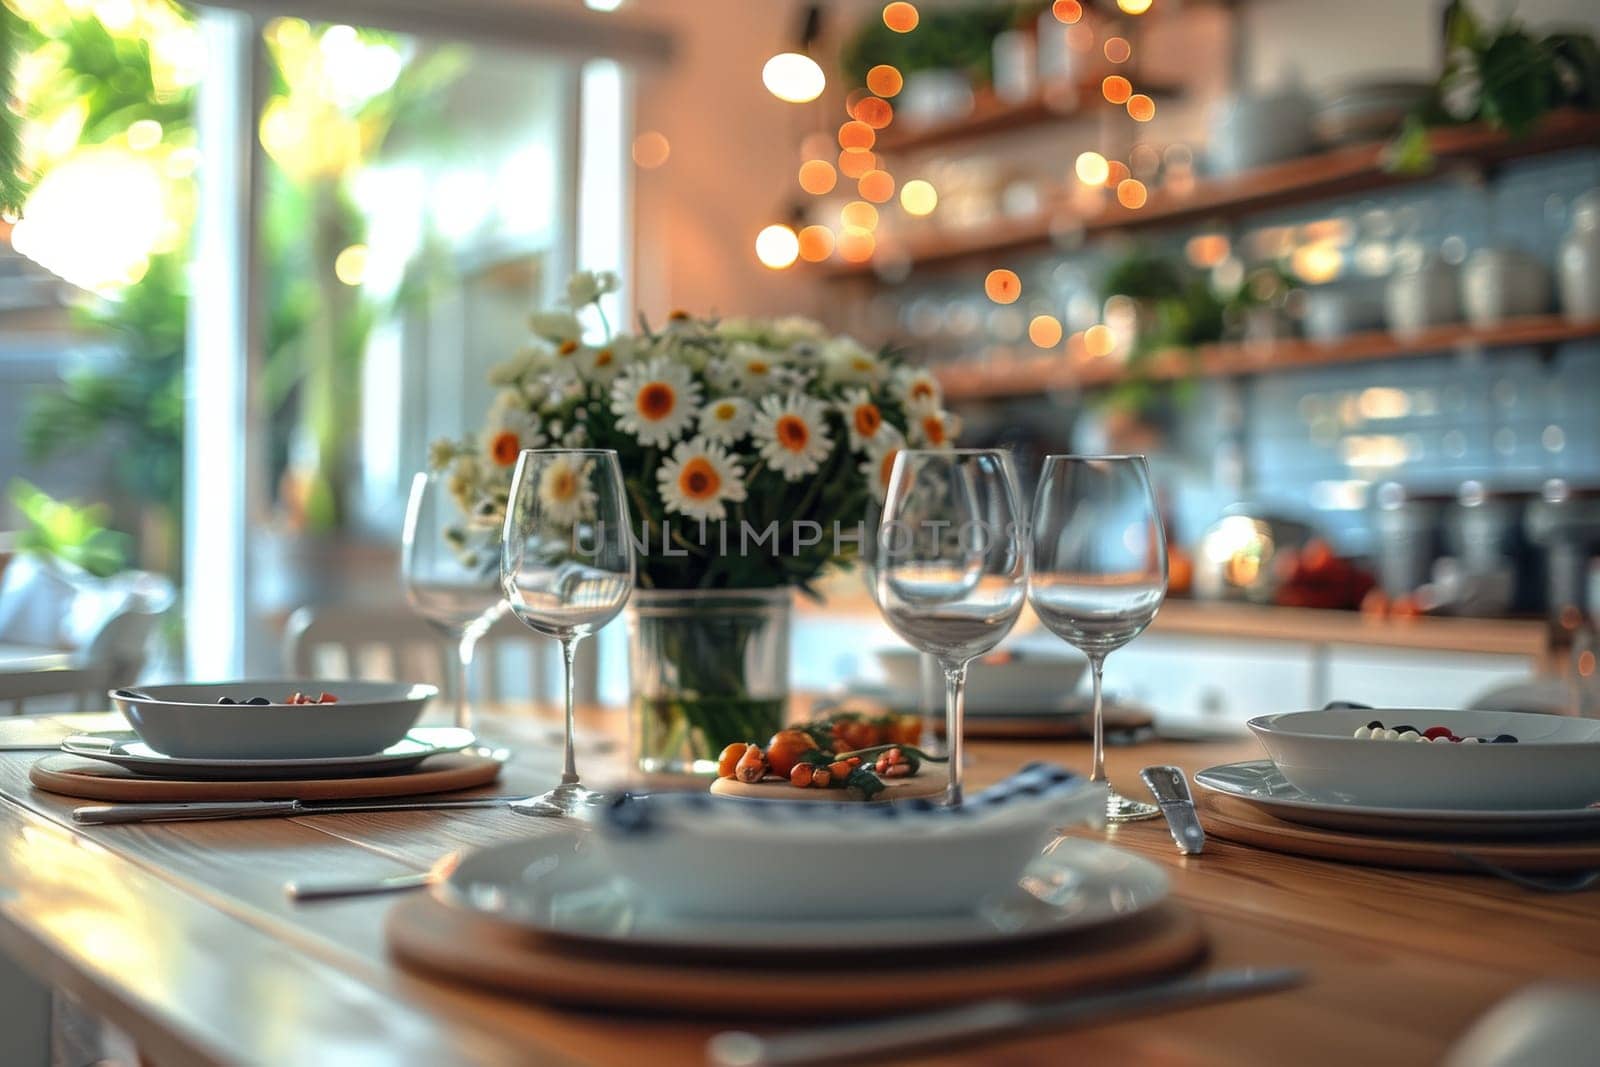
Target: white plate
column 126, row 750
column 1555, row 764
column 999, row 684
column 558, row 885
column 1260, row 783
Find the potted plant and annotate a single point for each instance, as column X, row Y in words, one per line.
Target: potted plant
column 750, row 450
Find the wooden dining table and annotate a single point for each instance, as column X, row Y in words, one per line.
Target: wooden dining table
column 181, row 936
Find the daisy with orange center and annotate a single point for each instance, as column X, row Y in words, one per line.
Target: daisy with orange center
column 845, row 361
column 566, row 492
column 877, row 468
column 700, row 479
column 864, row 419
column 511, row 429
column 754, row 369
column 791, row 433
column 655, row 401
column 919, row 390
column 725, row 419
column 934, row 429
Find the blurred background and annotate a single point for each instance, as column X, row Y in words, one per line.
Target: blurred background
column 1335, row 267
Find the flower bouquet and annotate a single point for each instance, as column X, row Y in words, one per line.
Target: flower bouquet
column 750, row 450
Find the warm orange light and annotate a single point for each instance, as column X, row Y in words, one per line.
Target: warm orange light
column 918, row 197
column 1045, row 331
column 1131, row 193
column 1002, row 286
column 1317, row 262
column 651, row 149
column 859, row 216
column 1141, row 108
column 1116, row 89
column 854, row 162
column 777, row 246
column 875, row 112
column 1068, row 11
column 884, row 80
column 793, row 77
column 856, row 134
column 1117, row 172
column 1134, row 7
column 1092, row 168
column 900, row 16
column 816, row 243
column 817, row 177
column 877, row 186
column 1206, row 250
column 856, row 246
column 1098, row 340
column 1118, row 49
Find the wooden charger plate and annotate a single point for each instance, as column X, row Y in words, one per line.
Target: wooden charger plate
column 1234, row 820
column 448, row 942
column 90, row 779
column 929, row 782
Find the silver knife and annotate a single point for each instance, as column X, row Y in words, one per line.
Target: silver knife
column 987, row 1018
column 106, row 814
column 1171, row 790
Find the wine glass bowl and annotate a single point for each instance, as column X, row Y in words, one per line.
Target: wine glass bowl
column 949, row 566
column 566, row 569
column 1097, row 570
column 450, row 572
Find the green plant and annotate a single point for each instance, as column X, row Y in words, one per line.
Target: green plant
column 945, row 39
column 1179, row 310
column 59, row 530
column 1506, row 78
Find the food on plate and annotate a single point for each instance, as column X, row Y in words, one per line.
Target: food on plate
column 1376, row 731
column 294, row 698
column 823, row 754
column 786, row 748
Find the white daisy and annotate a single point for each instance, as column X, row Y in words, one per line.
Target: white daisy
column 863, row 419
column 931, row 428
column 726, row 418
column 700, row 479
column 655, row 401
column 587, row 286
column 555, row 326
column 567, row 360
column 603, row 363
column 879, row 465
column 792, row 434
column 845, row 361
column 512, row 427
column 795, row 329
column 754, row 369
column 566, row 491
column 919, row 390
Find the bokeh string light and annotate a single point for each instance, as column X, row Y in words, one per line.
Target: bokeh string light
column 901, row 17
column 817, row 177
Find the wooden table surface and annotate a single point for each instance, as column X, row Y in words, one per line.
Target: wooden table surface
column 181, row 935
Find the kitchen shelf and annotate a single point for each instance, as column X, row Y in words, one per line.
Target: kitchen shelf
column 991, row 115
column 1031, row 375
column 1340, row 172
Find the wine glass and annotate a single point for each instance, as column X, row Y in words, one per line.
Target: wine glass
column 951, row 568
column 450, row 569
column 929, row 698
column 566, row 569
column 1098, row 563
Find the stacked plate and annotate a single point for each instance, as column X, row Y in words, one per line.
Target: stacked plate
column 1329, row 769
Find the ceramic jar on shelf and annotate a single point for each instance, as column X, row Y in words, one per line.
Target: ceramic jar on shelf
column 1578, row 261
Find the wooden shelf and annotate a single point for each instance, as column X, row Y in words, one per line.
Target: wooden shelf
column 990, row 115
column 1031, row 375
column 1341, row 172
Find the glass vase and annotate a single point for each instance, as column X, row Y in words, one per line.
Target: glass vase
column 707, row 668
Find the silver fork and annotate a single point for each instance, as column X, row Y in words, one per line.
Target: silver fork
column 1575, row 882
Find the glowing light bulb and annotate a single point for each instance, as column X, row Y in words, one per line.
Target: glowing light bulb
column 876, row 186
column 1116, row 89
column 1002, row 286
column 1098, row 340
column 793, row 78
column 885, row 80
column 1141, row 108
column 1045, row 331
column 1134, row 7
column 856, row 246
column 1118, row 49
column 859, row 216
column 777, row 246
column 918, row 197
column 816, row 243
column 856, row 134
column 817, row 177
column 900, row 16
column 1092, row 168
column 875, row 112
column 1068, row 11
column 854, row 162
column 350, row 265
column 651, row 149
column 1131, row 193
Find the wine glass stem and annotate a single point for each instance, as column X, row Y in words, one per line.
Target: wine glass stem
column 1097, row 772
column 464, row 650
column 569, row 764
column 955, row 687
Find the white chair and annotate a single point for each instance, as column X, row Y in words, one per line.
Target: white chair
column 390, row 642
column 75, row 689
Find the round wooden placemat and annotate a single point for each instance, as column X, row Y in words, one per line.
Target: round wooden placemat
column 1070, row 725
column 1235, row 820
column 90, row 779
column 930, row 782
column 451, row 943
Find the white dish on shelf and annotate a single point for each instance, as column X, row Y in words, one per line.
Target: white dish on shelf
column 125, row 749
column 560, row 885
column 1001, row 684
column 186, row 721
column 1554, row 764
column 1260, row 783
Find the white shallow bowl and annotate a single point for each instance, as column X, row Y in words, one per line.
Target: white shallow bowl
column 695, row 854
column 1554, row 764
column 186, row 720
column 1012, row 683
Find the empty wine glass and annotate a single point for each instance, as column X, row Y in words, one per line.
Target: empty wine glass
column 450, row 570
column 566, row 569
column 951, row 568
column 929, row 696
column 1098, row 571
